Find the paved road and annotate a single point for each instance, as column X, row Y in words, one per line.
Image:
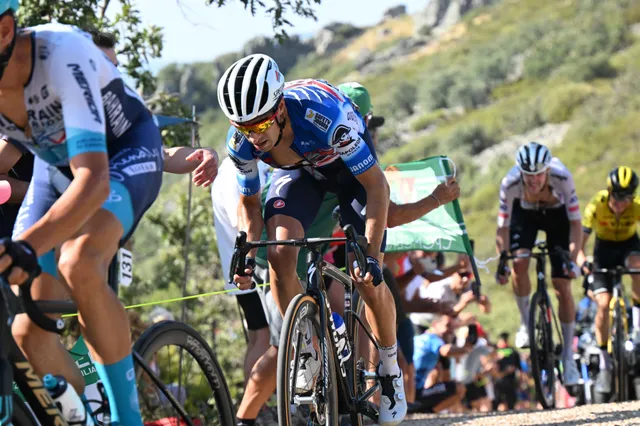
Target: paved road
column 627, row 413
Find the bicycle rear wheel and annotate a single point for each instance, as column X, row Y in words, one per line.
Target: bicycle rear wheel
column 318, row 406
column 542, row 350
column 169, row 349
column 618, row 338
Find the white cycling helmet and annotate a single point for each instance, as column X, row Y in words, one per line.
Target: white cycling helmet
column 250, row 88
column 533, row 158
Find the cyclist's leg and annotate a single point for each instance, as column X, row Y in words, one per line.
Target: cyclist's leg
column 556, row 226
column 380, row 312
column 633, row 262
column 522, row 237
column 135, row 168
column 258, row 329
column 262, row 380
column 605, row 256
column 292, row 203
column 44, row 350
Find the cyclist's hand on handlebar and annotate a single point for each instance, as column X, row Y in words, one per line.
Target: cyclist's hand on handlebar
column 587, row 267
column 18, row 261
column 373, row 275
column 244, row 279
column 502, row 275
column 572, row 270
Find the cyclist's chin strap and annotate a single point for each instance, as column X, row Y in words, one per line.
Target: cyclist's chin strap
column 281, row 126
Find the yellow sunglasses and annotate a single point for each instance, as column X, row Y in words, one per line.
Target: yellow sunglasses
column 260, row 127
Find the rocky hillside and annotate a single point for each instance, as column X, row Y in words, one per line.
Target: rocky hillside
column 473, row 79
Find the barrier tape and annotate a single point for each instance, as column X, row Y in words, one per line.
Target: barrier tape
column 176, row 299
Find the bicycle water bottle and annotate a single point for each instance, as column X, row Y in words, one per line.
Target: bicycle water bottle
column 343, row 346
column 67, row 400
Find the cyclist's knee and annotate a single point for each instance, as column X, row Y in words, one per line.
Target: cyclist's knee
column 80, row 262
column 28, row 336
column 461, row 390
column 520, row 267
column 282, row 259
column 633, row 261
column 603, row 299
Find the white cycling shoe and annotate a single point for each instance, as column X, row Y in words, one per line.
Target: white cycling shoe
column 308, row 369
column 393, row 403
column 570, row 371
column 522, row 337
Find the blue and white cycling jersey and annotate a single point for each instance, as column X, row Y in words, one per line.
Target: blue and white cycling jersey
column 75, row 98
column 327, row 128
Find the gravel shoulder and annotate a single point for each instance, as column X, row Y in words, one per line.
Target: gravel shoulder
column 627, row 413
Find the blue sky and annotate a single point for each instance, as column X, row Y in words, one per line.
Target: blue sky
column 195, row 32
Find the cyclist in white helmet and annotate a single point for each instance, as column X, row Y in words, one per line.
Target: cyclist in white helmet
column 538, row 193
column 318, row 142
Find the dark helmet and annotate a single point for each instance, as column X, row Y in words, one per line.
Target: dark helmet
column 622, row 181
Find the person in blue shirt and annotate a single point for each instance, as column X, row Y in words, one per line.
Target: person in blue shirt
column 314, row 136
column 435, row 391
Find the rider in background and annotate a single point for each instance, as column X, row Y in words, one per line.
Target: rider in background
column 538, row 193
column 613, row 214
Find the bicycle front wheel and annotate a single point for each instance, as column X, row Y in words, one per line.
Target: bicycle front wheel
column 188, row 369
column 542, row 350
column 317, row 402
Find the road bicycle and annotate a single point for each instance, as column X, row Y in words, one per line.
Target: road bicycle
column 167, row 396
column 618, row 334
column 546, row 349
column 341, row 386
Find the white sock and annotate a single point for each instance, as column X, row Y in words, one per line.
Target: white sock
column 635, row 314
column 389, row 361
column 523, row 306
column 567, row 337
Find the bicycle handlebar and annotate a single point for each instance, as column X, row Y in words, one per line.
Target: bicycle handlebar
column 242, row 247
column 33, row 311
column 543, row 251
column 617, row 270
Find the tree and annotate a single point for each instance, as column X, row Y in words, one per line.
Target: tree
column 278, row 9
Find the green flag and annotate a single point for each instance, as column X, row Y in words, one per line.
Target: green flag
column 442, row 229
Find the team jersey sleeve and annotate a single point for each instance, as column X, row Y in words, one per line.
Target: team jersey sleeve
column 589, row 215
column 240, row 152
column 345, row 138
column 74, row 78
column 506, row 203
column 571, row 199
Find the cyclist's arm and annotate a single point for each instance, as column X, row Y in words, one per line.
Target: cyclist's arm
column 74, row 78
column 377, row 188
column 250, row 218
column 83, row 198
column 587, row 228
column 9, row 155
column 573, row 212
column 504, row 216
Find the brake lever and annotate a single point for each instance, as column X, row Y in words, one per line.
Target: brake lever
column 358, row 245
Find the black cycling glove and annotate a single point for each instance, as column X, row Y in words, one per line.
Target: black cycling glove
column 22, row 256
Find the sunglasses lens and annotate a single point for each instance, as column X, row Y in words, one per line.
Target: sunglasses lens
column 256, row 128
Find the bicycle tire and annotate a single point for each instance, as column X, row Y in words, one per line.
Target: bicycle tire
column 618, row 340
column 22, row 414
column 357, row 385
column 294, row 313
column 542, row 357
column 174, row 333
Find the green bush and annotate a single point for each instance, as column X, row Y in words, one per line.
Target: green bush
column 559, row 104
column 468, row 92
column 587, row 69
column 427, row 119
column 471, row 138
column 403, row 99
column 433, row 90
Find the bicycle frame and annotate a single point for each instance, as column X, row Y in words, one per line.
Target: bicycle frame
column 15, row 367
